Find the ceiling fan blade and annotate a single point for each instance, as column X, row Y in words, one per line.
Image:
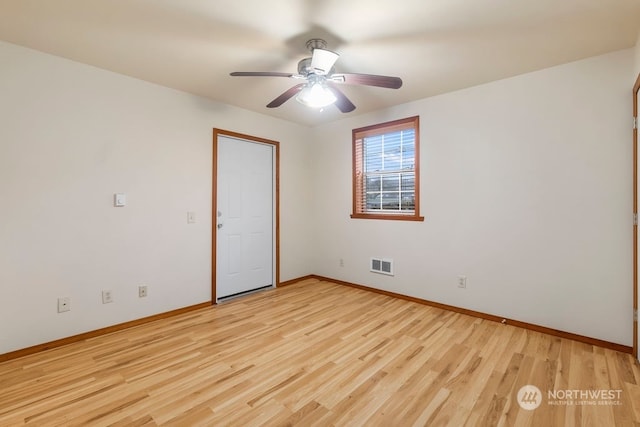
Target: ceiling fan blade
column 259, row 74
column 322, row 61
column 367, row 80
column 342, row 102
column 286, row 95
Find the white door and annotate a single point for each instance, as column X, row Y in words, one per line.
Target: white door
column 245, row 216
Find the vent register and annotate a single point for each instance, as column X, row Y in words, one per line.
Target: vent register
column 381, row 265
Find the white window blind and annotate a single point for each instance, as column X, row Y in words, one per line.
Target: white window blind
column 386, row 170
column 389, row 172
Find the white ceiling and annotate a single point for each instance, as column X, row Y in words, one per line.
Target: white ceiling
column 435, row 46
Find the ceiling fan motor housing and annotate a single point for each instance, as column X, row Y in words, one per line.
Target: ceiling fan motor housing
column 305, row 69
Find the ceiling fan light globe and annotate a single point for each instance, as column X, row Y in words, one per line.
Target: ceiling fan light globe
column 316, row 96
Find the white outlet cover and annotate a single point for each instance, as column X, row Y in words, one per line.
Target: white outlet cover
column 107, row 297
column 64, row 304
column 142, row 291
column 462, row 281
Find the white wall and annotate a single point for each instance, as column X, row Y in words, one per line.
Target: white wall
column 70, row 137
column 524, row 190
column 525, row 187
column 637, row 58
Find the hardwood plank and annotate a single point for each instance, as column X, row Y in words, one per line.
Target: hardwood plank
column 315, row 353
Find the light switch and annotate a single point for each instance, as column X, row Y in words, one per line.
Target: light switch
column 191, row 217
column 119, row 200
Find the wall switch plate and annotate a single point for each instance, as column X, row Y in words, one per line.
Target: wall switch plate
column 107, row 297
column 119, row 200
column 64, row 304
column 191, row 217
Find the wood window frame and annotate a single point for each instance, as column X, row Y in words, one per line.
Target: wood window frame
column 357, row 136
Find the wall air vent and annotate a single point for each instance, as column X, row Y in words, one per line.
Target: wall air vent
column 382, row 266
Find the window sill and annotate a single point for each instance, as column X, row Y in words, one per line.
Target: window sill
column 388, row 217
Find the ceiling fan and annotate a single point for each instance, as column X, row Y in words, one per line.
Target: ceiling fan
column 320, row 80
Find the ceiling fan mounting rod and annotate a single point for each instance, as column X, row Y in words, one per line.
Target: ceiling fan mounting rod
column 316, row 44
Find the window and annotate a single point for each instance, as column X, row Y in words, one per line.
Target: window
column 386, row 171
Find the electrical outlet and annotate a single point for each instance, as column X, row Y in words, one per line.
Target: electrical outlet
column 142, row 291
column 64, row 304
column 107, row 297
column 341, row 262
column 462, row 282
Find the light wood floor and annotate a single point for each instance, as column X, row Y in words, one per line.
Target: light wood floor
column 316, row 353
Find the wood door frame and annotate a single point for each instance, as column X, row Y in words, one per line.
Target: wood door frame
column 214, row 218
column 636, row 87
